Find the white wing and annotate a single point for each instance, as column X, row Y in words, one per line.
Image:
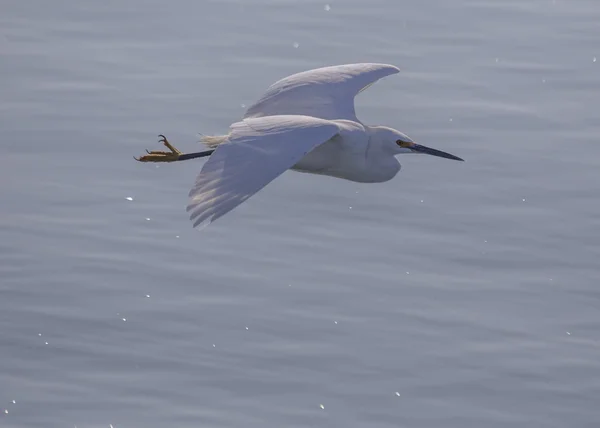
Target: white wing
column 256, row 152
column 327, row 93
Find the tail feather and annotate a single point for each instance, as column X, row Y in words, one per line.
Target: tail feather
column 212, row 141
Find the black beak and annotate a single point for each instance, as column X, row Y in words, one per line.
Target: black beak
column 423, row 149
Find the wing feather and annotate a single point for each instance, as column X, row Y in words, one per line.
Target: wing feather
column 326, row 93
column 256, row 152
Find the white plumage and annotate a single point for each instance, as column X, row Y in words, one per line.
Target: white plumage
column 256, row 152
column 326, row 93
column 305, row 122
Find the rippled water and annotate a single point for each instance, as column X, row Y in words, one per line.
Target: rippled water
column 458, row 294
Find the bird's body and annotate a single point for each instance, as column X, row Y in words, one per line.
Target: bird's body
column 305, row 122
column 351, row 155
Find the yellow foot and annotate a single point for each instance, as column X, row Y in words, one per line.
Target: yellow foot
column 155, row 156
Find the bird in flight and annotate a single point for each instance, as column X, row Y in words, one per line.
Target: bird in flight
column 305, row 122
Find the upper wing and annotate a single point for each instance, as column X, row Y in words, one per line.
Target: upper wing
column 327, row 93
column 256, row 152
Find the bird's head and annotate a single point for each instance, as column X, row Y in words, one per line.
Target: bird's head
column 395, row 142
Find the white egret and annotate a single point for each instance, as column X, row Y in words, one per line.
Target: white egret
column 305, row 122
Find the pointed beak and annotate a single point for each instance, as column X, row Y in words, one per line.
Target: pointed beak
column 423, row 149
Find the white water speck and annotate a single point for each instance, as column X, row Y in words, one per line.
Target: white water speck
column 46, row 343
column 129, row 198
column 594, row 60
column 349, row 208
column 421, row 200
column 485, row 241
column 397, row 394
column 124, row 319
column 335, row 322
column 327, row 8
column 296, row 45
column 450, row 120
column 408, row 273
column 6, row 411
column 243, row 105
column 497, row 59
column 110, row 426
column 14, row 401
column 322, row 406
column 568, row 333
column 40, row 334
column 246, row 328
column 147, row 295
column 214, row 346
column 523, row 199
column 147, row 218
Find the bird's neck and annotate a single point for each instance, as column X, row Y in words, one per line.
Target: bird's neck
column 382, row 164
column 375, row 146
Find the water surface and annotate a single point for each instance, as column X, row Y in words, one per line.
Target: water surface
column 457, row 294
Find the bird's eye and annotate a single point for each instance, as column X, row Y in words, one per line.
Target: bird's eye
column 404, row 144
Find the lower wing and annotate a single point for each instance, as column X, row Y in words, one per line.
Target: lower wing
column 256, row 152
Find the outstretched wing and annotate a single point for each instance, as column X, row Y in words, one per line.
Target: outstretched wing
column 327, row 93
column 256, row 152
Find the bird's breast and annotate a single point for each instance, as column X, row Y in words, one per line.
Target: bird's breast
column 337, row 158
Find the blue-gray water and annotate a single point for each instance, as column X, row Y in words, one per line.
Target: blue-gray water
column 455, row 295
